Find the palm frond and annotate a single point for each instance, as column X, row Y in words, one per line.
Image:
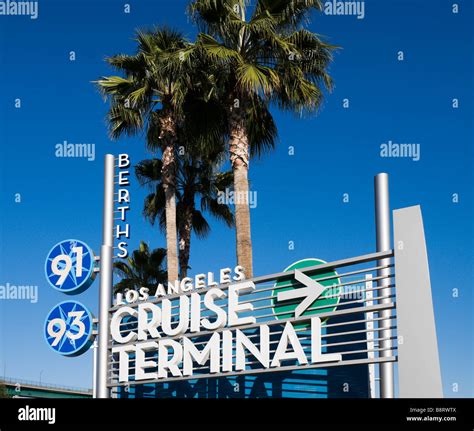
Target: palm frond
column 154, row 207
column 131, row 65
column 288, row 13
column 148, row 172
column 219, row 210
column 216, row 50
column 257, row 79
column 261, row 128
column 144, row 268
column 201, row 227
column 124, row 121
column 114, row 85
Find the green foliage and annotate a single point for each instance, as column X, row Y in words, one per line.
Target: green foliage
column 3, row 391
column 248, row 57
column 143, row 268
column 150, row 88
column 270, row 56
column 196, row 179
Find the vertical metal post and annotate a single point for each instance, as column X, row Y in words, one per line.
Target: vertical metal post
column 382, row 226
column 94, row 369
column 369, row 326
column 106, row 268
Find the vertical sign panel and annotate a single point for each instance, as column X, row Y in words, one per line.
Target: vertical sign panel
column 418, row 361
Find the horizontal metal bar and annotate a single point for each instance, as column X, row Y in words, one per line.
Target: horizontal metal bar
column 326, row 266
column 344, row 343
column 284, row 275
column 290, row 380
column 252, row 372
column 343, row 275
column 321, row 307
column 328, row 296
column 348, row 323
column 358, row 331
column 353, row 310
column 374, row 308
column 357, row 301
column 307, row 337
column 353, row 322
column 304, row 337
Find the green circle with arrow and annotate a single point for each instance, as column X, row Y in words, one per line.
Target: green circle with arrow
column 299, row 304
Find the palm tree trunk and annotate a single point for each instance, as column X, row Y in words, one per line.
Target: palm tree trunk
column 168, row 171
column 185, row 242
column 239, row 157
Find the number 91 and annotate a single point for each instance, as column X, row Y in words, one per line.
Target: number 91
column 62, row 265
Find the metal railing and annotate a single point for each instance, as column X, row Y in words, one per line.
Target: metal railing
column 36, row 384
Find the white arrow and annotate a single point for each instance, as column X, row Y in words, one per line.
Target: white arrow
column 311, row 292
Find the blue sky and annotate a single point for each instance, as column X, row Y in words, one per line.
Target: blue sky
column 300, row 197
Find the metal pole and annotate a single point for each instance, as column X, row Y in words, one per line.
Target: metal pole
column 382, row 226
column 369, row 294
column 94, row 369
column 106, row 268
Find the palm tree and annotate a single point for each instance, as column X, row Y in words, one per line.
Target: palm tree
column 143, row 268
column 269, row 58
column 151, row 93
column 196, row 179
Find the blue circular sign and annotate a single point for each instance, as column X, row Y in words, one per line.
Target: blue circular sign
column 69, row 266
column 68, row 328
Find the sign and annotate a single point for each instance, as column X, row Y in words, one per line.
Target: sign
column 68, row 329
column 122, row 232
column 312, row 294
column 211, row 326
column 69, row 266
column 312, row 315
column 187, row 284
